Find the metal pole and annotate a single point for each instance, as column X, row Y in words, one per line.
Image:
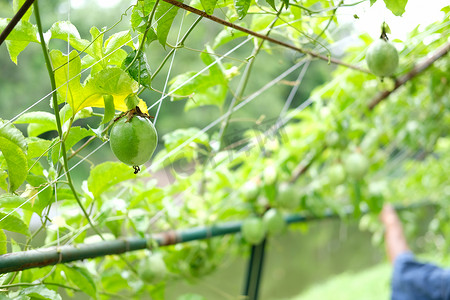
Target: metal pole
column 254, row 271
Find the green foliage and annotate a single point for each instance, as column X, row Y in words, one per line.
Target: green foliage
column 165, row 14
column 397, row 7
column 304, row 167
column 13, row 147
column 137, row 67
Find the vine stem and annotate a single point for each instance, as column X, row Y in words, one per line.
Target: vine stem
column 149, row 25
column 57, row 117
column 419, row 68
column 264, row 37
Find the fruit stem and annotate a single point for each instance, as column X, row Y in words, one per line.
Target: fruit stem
column 57, row 116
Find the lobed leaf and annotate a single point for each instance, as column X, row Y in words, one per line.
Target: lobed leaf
column 109, row 81
column 66, row 31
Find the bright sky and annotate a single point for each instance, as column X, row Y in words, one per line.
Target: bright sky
column 417, row 12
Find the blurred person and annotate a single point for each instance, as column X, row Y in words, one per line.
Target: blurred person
column 411, row 280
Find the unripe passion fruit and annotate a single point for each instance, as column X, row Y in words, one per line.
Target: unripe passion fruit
column 288, row 196
column 356, row 165
column 152, row 268
column 133, row 142
column 250, row 190
column 336, row 174
column 382, row 58
column 253, row 230
column 274, row 221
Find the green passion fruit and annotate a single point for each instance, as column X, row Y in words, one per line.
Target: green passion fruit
column 274, row 221
column 152, row 268
column 288, row 196
column 336, row 174
column 133, row 141
column 356, row 165
column 382, row 58
column 253, row 230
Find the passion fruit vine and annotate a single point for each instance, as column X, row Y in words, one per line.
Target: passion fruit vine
column 133, row 138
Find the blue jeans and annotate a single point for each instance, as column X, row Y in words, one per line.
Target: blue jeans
column 413, row 280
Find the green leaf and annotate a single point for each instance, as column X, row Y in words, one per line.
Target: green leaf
column 272, row 4
column 68, row 77
column 37, row 147
column 110, row 81
column 139, row 16
column 165, row 14
column 17, row 4
column 44, row 192
column 13, row 147
column 118, row 40
column 3, row 241
column 242, row 7
column 19, row 38
column 13, row 223
column 23, row 31
column 66, row 31
column 12, row 201
column 82, row 279
column 45, row 120
column 96, row 48
column 15, row 48
column 76, row 133
column 203, row 89
column 209, row 5
column 397, row 7
column 137, row 68
column 131, row 101
column 109, row 109
column 106, row 175
column 227, row 35
column 3, row 183
column 40, row 292
column 372, row 2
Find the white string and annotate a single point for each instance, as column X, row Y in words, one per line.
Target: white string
column 170, row 69
column 200, row 72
